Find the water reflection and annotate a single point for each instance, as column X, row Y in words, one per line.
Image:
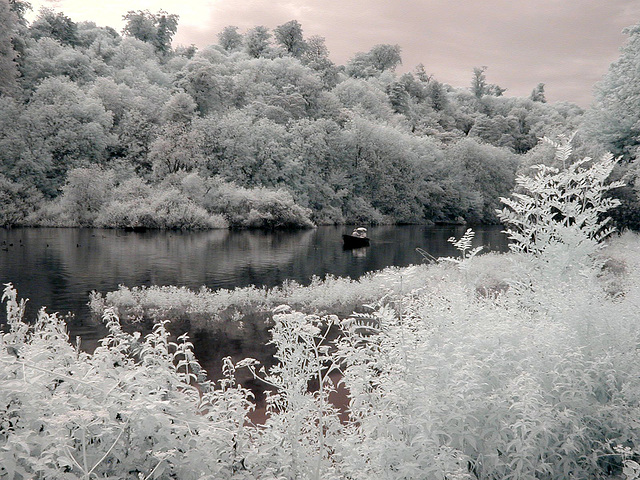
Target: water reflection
column 357, row 252
column 59, row 267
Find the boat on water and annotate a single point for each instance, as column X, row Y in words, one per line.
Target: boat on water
column 351, row 241
column 357, row 239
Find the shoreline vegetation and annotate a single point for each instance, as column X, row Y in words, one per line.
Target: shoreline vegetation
column 113, row 130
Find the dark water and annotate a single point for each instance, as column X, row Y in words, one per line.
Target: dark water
column 57, row 268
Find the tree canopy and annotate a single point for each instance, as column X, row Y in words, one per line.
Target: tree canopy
column 261, row 109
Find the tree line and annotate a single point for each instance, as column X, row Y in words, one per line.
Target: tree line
column 259, row 129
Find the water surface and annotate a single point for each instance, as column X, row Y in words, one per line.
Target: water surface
column 58, row 267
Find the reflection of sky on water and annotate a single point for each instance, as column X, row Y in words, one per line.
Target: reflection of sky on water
column 59, row 267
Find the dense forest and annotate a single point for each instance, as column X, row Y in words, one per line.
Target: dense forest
column 262, row 129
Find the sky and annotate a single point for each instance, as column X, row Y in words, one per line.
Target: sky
column 566, row 44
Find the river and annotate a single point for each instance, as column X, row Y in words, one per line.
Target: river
column 58, row 267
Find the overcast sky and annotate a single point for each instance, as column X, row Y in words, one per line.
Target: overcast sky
column 565, row 44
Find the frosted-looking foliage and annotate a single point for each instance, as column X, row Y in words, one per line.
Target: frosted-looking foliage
column 561, row 206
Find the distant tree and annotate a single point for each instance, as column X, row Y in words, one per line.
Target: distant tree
column 316, row 56
column 62, row 127
column 21, row 33
column 480, row 87
column 155, row 28
column 135, row 136
column 256, row 41
column 421, row 74
column 55, row 25
column 494, row 130
column 385, row 57
column 364, row 98
column 140, row 25
column 180, row 108
column 18, row 200
column 537, row 95
column 377, row 60
column 490, row 172
column 204, row 83
column 187, row 52
column 177, row 147
column 248, row 150
column 89, row 33
column 8, row 66
column 613, row 122
column 167, row 26
column 359, row 66
column 20, row 8
column 316, row 49
column 416, row 89
column 47, row 58
column 230, row 39
column 387, row 169
column 496, row 90
column 437, row 94
column 289, row 35
column 399, row 97
column 84, row 193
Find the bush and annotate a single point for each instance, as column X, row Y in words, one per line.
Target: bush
column 135, row 408
column 144, row 206
column 256, row 208
column 18, row 202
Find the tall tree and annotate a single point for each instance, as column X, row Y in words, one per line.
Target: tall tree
column 155, row 28
column 480, row 87
column 140, row 25
column 421, row 73
column 55, row 25
column 316, row 56
column 256, row 41
column 20, row 8
column 537, row 95
column 614, row 120
column 380, row 58
column 289, row 35
column 614, row 123
column 8, row 66
column 385, row 57
column 230, row 39
column 167, row 26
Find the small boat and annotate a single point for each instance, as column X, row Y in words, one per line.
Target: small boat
column 351, row 241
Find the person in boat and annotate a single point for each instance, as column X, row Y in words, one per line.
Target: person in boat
column 360, row 232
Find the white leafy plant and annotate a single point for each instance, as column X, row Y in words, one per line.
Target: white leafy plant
column 302, row 428
column 135, row 408
column 561, row 209
column 464, row 245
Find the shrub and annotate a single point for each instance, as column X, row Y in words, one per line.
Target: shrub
column 561, row 206
column 18, row 202
column 256, row 208
column 166, row 209
column 135, row 408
